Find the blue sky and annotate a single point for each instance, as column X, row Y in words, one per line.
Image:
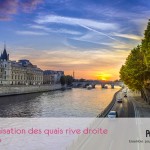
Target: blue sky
column 92, row 37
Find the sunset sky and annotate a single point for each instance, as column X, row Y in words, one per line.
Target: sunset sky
column 91, row 37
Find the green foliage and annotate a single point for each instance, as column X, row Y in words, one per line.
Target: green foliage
column 66, row 80
column 132, row 73
column 136, row 71
column 63, row 80
column 145, row 49
column 69, row 80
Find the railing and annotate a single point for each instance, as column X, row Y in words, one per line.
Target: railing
column 105, row 112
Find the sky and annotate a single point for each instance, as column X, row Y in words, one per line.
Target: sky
column 90, row 37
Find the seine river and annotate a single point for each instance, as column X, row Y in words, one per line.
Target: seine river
column 81, row 103
column 70, row 103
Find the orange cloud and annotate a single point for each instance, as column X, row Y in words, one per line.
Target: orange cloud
column 102, row 65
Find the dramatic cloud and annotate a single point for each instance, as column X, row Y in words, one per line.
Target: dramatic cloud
column 31, row 33
column 11, row 7
column 61, row 31
column 128, row 36
column 29, row 5
column 101, row 33
column 8, row 8
column 95, row 26
column 77, row 21
column 66, row 60
column 91, row 37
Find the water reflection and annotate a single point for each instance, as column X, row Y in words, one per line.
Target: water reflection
column 71, row 103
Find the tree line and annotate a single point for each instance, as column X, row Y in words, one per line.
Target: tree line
column 135, row 73
column 66, row 80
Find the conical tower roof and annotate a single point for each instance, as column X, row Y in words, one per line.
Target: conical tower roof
column 4, row 55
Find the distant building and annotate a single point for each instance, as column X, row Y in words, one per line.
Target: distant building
column 52, row 77
column 73, row 75
column 22, row 72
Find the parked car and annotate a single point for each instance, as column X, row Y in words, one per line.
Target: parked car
column 112, row 114
column 119, row 100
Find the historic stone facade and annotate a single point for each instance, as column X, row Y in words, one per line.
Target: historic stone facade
column 22, row 72
column 52, row 77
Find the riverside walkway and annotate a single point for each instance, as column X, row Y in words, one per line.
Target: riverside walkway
column 141, row 108
column 132, row 106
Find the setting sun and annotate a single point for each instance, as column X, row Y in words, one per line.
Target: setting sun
column 103, row 76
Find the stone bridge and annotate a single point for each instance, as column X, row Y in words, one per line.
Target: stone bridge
column 94, row 83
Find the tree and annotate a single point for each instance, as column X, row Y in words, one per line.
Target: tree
column 136, row 71
column 66, row 80
column 146, row 52
column 132, row 72
column 63, row 80
column 69, row 80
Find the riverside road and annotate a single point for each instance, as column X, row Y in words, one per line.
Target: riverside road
column 121, row 131
column 124, row 109
column 132, row 106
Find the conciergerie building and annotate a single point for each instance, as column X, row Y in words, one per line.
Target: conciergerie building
column 22, row 72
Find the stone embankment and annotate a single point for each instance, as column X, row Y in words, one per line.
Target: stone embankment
column 16, row 90
column 105, row 112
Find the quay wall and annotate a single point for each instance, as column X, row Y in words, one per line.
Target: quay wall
column 105, row 112
column 16, row 90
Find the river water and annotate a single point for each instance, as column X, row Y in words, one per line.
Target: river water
column 70, row 103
